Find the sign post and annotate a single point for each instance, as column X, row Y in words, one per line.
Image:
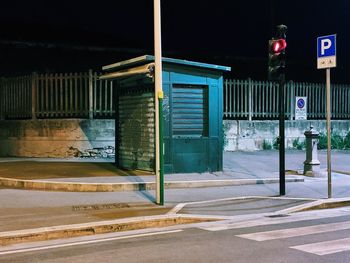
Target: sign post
column 326, row 58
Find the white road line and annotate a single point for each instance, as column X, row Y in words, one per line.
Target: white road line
column 176, row 209
column 325, row 248
column 295, row 232
column 263, row 220
column 79, row 243
column 180, row 206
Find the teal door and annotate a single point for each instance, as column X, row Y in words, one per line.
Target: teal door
column 190, row 128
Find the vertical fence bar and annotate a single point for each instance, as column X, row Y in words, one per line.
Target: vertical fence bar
column 348, row 102
column 21, row 97
column 75, row 78
column 263, row 97
column 71, row 93
column 46, row 95
column 232, row 97
column 342, row 105
column 39, row 95
column 51, row 95
column 292, row 99
column 61, row 96
column 66, row 94
column 225, row 98
column 250, row 110
column 34, row 94
column 56, row 112
column 97, row 93
column 246, row 83
column 2, row 99
column 256, row 99
column 315, row 89
column 231, row 92
column 111, row 99
column 91, row 106
column 345, row 102
column 10, row 89
column 16, row 86
column 106, row 98
column 81, row 96
column 239, row 95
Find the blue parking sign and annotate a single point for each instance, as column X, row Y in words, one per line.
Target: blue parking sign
column 326, row 51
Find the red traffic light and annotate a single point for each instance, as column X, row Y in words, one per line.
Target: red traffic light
column 278, row 45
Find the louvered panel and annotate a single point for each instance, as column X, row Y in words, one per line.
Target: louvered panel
column 190, row 110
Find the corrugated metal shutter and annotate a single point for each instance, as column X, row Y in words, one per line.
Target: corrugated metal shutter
column 136, row 130
column 190, row 110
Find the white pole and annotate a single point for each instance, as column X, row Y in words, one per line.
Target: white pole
column 158, row 90
column 328, row 97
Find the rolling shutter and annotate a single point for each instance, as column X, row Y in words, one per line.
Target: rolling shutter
column 136, row 130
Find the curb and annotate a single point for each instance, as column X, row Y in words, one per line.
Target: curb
column 130, row 186
column 100, row 227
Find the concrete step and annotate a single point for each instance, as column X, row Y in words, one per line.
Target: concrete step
column 45, row 185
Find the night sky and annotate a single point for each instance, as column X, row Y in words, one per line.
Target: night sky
column 63, row 36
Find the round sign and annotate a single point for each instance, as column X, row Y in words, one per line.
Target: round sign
column 301, row 103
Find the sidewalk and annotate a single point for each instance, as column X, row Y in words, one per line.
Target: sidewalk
column 28, row 209
column 82, row 175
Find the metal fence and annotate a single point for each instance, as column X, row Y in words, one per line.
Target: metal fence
column 73, row 95
column 249, row 99
column 83, row 95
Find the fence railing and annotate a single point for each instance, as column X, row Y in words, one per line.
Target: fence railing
column 83, row 95
column 249, row 99
column 16, row 98
column 73, row 95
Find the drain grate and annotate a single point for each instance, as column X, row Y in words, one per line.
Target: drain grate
column 276, row 216
column 99, row 206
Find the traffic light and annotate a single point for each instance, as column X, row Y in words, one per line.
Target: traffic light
column 277, row 54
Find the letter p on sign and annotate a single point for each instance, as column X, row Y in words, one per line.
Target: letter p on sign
column 325, row 44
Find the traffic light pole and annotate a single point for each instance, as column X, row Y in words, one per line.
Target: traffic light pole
column 282, row 169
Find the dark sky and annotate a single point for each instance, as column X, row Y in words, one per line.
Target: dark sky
column 74, row 35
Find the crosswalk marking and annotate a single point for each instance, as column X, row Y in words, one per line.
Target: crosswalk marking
column 243, row 222
column 325, row 248
column 295, row 232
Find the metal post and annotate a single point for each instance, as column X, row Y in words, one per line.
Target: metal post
column 158, row 94
column 328, row 96
column 282, row 136
column 161, row 151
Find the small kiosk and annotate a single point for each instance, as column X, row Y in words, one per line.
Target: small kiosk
column 192, row 110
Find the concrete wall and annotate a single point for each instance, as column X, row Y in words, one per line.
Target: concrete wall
column 250, row 135
column 86, row 138
column 56, row 138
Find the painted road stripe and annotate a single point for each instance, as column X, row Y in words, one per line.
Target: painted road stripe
column 79, row 243
column 180, row 206
column 295, row 232
column 262, row 220
column 326, row 248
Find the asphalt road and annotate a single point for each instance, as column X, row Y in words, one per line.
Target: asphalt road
column 294, row 238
